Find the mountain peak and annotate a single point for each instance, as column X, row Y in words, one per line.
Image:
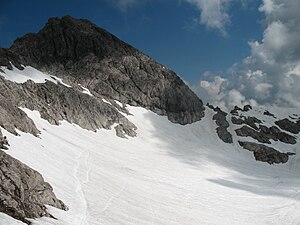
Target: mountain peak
column 79, row 51
column 66, row 40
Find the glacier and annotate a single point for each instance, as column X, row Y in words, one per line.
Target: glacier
column 168, row 174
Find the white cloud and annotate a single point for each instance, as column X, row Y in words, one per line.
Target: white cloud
column 278, row 54
column 212, row 89
column 220, row 92
column 271, row 73
column 213, row 13
column 269, row 6
column 235, row 98
column 263, row 90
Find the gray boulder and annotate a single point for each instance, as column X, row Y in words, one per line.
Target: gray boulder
column 222, row 123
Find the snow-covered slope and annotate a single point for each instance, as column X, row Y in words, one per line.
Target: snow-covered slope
column 168, row 174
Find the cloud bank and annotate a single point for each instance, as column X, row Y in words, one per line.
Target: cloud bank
column 271, row 73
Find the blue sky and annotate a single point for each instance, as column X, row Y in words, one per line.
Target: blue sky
column 167, row 30
column 231, row 52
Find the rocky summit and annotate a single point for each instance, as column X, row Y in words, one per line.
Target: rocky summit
column 85, row 54
column 79, row 73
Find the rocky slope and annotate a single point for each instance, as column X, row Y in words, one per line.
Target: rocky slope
column 256, row 130
column 24, row 193
column 262, row 128
column 85, row 54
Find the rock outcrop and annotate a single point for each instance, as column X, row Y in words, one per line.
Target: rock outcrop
column 267, row 113
column 261, row 128
column 222, row 123
column 250, row 121
column 7, row 57
column 246, row 108
column 264, row 134
column 287, row 125
column 23, row 191
column 55, row 102
column 3, row 142
column 264, row 153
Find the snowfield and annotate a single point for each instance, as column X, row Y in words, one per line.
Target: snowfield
column 169, row 174
column 29, row 73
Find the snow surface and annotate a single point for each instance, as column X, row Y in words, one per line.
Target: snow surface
column 104, row 100
column 29, row 73
column 7, row 220
column 119, row 103
column 85, row 90
column 169, row 174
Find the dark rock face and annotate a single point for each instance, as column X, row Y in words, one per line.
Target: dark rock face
column 246, row 131
column 7, row 57
column 277, row 135
column 264, row 134
column 267, row 113
column 23, row 191
column 264, row 153
column 250, row 121
column 235, row 110
column 288, row 125
column 222, row 123
column 3, row 142
column 11, row 117
column 247, row 108
column 81, row 52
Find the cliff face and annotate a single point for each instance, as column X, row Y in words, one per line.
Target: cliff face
column 81, row 52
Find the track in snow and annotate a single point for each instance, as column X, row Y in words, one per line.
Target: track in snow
column 169, row 174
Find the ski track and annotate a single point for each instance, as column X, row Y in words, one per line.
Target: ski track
column 84, row 166
column 80, row 188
